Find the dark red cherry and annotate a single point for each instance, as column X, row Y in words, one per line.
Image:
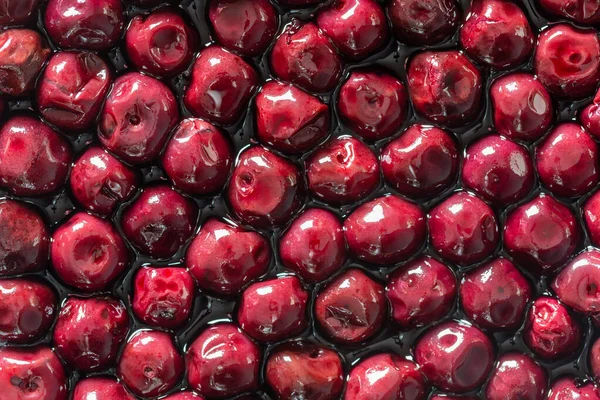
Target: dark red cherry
column 455, row 357
column 289, row 119
column 351, row 308
column 23, row 53
column 342, row 171
column 34, row 158
column 522, row 106
column 90, row 24
column 88, row 252
column 137, row 117
column 590, row 116
column 567, row 61
column 499, row 170
column 72, row 89
column 244, row 26
column 568, row 388
column 373, row 104
column 161, row 43
column 422, row 162
column 198, row 157
column 423, row 22
column 567, row 161
column 18, row 12
column 541, row 235
column 385, row 230
column 578, row 284
column 582, row 11
column 591, row 214
column 265, row 189
column 100, row 388
column 24, row 239
column 27, row 310
column 184, row 396
column 594, row 358
column 304, row 56
column 517, row 376
column 299, row 3
column 224, row 258
column 420, row 292
column 495, row 295
column 221, row 86
column 356, row 27
column 160, row 221
column 445, row 87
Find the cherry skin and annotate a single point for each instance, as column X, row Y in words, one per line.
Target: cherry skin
column 273, row 310
column 455, row 357
column 422, row 162
column 90, row 331
column 24, row 239
column 198, row 158
column 420, row 292
column 567, row 161
column 18, row 12
column 567, row 389
column 445, row 87
column 581, row 11
column 342, row 171
column 100, row 182
column 32, row 373
column 590, row 116
column 72, row 89
column 223, row 362
column 27, row 310
column 385, row 230
column 550, row 331
column 91, row 24
column 517, row 376
column 499, row 170
column 221, row 86
column 304, row 56
column 423, row 22
column 163, row 297
column 289, row 119
column 23, row 53
column 161, row 43
column 223, row 257
column 495, row 295
column 244, row 26
column 497, row 33
column 567, row 61
column 160, row 221
column 299, row 3
column 88, row 253
column 183, row 396
column 34, row 158
column 522, row 106
column 591, row 214
column 594, row 358
column 445, row 397
column 386, row 377
column 100, row 389
column 541, row 235
column 314, row 246
column 576, row 285
column 137, row 117
column 150, row 365
column 356, row 27
column 351, row 308
column 303, row 370
column 373, row 104
column 463, row 229
column 265, row 189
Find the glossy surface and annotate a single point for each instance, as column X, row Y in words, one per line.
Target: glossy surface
column 590, row 116
column 582, row 11
column 18, row 12
column 100, row 389
column 517, row 376
column 577, row 283
column 591, row 215
column 567, row 389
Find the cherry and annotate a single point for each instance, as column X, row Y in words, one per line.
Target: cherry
column 591, row 214
column 594, row 358
column 577, row 283
column 183, row 396
column 517, row 376
column 582, row 11
column 100, row 389
column 567, row 389
column 299, row 3
column 590, row 116
column 18, row 12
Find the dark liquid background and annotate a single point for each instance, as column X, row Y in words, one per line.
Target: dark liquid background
column 58, row 207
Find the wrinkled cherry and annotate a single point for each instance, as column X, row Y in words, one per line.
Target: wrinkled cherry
column 18, row 12
column 99, row 388
column 577, row 285
column 590, row 116
column 568, row 388
column 591, row 214
column 517, row 376
column 582, row 11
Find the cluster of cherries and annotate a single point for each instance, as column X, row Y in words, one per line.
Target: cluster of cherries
column 299, row 199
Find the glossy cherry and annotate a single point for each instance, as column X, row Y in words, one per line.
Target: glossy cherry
column 517, row 376
column 420, row 292
column 568, row 388
column 351, row 308
column 343, row 170
column 183, row 396
column 423, row 161
column 445, row 87
column 198, row 157
column 385, row 230
column 24, row 239
column 577, row 284
column 299, row 3
column 591, row 214
column 304, row 56
column 223, row 362
column 594, row 358
column 590, row 116
column 374, row 104
column 100, row 388
column 90, row 331
column 223, row 257
column 137, row 117
column 582, row 11
column 18, row 12
column 541, row 235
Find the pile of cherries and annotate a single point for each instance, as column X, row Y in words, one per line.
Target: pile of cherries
column 299, row 199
